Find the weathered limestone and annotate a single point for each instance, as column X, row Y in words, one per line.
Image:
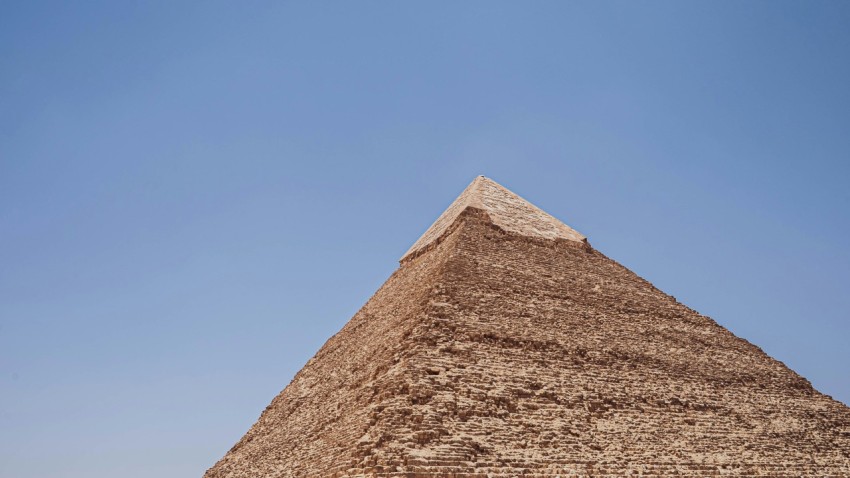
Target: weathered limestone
column 506, row 346
column 504, row 208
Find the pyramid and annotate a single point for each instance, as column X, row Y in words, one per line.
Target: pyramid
column 505, row 345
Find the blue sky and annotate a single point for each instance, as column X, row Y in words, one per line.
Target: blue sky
column 195, row 196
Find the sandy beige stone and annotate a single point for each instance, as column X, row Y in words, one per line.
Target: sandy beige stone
column 504, row 345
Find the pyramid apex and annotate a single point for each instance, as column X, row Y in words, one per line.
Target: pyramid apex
column 506, row 209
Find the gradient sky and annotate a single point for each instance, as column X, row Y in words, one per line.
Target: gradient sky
column 195, row 196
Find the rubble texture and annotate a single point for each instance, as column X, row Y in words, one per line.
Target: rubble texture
column 506, row 346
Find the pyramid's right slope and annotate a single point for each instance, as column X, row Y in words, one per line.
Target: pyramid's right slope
column 506, row 346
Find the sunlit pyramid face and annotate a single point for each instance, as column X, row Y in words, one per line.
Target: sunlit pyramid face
column 504, row 346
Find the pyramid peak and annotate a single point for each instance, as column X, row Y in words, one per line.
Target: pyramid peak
column 505, row 209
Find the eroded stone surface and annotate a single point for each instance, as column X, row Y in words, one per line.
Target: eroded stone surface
column 498, row 353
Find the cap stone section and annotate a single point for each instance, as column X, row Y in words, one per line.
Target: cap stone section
column 505, row 209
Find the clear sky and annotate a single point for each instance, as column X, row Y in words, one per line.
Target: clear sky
column 194, row 197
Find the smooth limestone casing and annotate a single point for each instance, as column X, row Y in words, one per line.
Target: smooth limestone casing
column 494, row 353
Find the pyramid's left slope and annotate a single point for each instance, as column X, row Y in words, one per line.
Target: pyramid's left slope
column 313, row 426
